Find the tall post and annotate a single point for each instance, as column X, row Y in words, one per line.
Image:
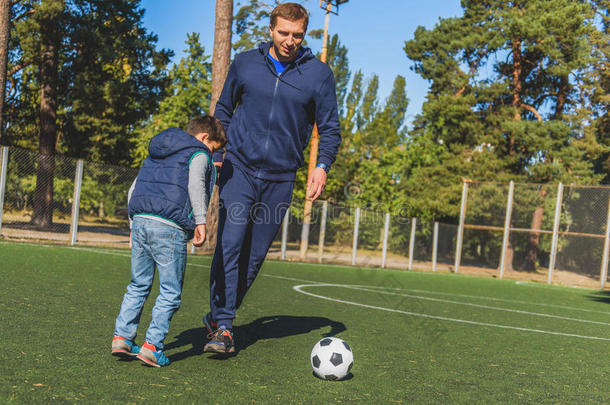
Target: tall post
column 355, row 243
column 3, row 174
column 460, row 234
column 386, row 231
column 305, row 229
column 604, row 272
column 555, row 232
column 78, row 181
column 285, row 233
column 322, row 231
column 412, row 242
column 507, row 221
column 314, row 141
column 434, row 245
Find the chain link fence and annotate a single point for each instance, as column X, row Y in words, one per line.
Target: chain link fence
column 39, row 199
column 543, row 232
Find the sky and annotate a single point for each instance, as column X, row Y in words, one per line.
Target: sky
column 374, row 32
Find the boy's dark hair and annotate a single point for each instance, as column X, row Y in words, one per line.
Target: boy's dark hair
column 291, row 12
column 209, row 125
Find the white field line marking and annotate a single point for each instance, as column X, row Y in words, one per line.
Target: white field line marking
column 476, row 305
column 455, row 295
column 490, row 299
column 299, row 288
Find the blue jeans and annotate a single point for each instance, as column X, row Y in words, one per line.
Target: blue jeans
column 153, row 243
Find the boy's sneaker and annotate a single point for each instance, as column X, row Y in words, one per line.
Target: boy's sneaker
column 153, row 357
column 221, row 341
column 209, row 323
column 124, row 347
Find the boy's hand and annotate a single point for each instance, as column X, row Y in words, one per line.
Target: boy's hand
column 316, row 183
column 130, row 240
column 199, row 236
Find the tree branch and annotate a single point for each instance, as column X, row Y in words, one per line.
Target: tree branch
column 16, row 68
column 533, row 111
column 22, row 15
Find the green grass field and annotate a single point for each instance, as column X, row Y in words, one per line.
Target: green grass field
column 416, row 337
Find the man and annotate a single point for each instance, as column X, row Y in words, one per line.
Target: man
column 270, row 101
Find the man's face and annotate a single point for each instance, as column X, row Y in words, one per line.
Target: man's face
column 287, row 37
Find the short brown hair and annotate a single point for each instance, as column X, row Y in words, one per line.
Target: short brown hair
column 210, row 125
column 291, row 12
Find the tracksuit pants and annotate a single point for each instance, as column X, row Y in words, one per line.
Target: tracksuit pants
column 251, row 211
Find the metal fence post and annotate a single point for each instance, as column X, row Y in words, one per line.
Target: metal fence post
column 604, row 271
column 460, row 233
column 304, row 239
column 386, row 231
column 434, row 245
column 507, row 221
column 355, row 245
column 78, row 181
column 3, row 174
column 412, row 242
column 322, row 231
column 285, row 233
column 555, row 232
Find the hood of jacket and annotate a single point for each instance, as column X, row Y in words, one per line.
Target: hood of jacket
column 171, row 141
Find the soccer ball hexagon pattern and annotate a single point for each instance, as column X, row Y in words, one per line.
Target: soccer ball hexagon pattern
column 331, row 359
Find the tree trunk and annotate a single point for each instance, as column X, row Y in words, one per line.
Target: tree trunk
column 517, row 86
column 43, row 195
column 221, row 59
column 221, row 55
column 562, row 96
column 531, row 258
column 5, row 10
column 517, row 89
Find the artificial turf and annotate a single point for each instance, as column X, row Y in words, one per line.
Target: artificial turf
column 416, row 337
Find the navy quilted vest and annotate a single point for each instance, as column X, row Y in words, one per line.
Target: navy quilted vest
column 162, row 185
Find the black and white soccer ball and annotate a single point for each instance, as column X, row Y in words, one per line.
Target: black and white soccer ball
column 331, row 359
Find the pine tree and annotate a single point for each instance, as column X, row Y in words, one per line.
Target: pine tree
column 83, row 74
column 188, row 96
column 501, row 100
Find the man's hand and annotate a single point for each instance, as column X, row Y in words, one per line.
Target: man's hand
column 199, row 236
column 316, row 183
column 130, row 240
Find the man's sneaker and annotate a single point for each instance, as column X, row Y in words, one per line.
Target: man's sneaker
column 209, row 323
column 124, row 347
column 153, row 357
column 221, row 341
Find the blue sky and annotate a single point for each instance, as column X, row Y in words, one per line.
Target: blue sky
column 374, row 33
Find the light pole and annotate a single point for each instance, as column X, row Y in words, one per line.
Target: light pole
column 330, row 6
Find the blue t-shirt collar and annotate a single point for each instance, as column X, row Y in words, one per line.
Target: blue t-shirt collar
column 281, row 66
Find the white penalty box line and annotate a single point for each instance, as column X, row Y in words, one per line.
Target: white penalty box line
column 300, row 288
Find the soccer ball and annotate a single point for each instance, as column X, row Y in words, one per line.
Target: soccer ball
column 331, row 359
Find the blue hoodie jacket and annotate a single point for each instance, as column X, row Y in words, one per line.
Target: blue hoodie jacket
column 269, row 117
column 162, row 186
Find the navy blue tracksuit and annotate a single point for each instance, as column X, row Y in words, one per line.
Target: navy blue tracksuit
column 268, row 118
column 251, row 212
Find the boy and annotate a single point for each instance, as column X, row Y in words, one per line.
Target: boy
column 167, row 206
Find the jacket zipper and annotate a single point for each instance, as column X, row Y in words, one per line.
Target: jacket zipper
column 265, row 149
